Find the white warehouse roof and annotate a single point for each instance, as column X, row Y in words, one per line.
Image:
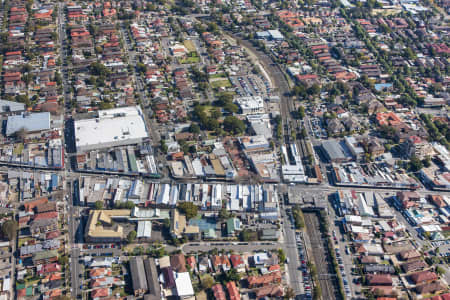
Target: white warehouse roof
column 184, row 285
column 113, row 127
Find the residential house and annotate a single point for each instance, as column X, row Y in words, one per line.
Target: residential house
column 410, row 255
column 430, row 288
column 233, row 291
column 218, row 292
column 414, row 266
column 423, row 277
column 220, row 263
column 258, row 281
column 237, row 262
column 204, row 264
column 178, row 262
column 379, row 279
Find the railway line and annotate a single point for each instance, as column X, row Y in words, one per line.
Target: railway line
column 325, row 273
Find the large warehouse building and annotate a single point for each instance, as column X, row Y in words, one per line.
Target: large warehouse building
column 30, row 122
column 112, row 128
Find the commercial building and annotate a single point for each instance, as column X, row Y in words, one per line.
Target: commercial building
column 274, row 35
column 7, row 107
column 251, row 105
column 292, row 169
column 30, row 122
column 144, row 230
column 111, row 128
column 335, row 152
column 138, row 275
column 418, row 147
column 101, row 228
column 178, row 226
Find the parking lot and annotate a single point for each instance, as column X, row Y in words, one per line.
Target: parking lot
column 305, row 278
column 344, row 257
column 251, row 85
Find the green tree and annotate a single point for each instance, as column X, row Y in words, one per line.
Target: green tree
column 63, row 260
column 439, row 270
column 164, row 147
column 301, row 112
column 98, row 205
column 281, row 255
column 207, row 281
column 194, row 128
column 129, row 205
column 232, row 275
column 415, row 164
column 131, row 236
column 314, row 89
column 141, row 68
column 9, row 229
column 233, row 125
column 223, row 214
column 99, row 69
column 189, row 209
column 215, row 113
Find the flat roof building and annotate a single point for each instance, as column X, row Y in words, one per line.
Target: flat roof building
column 334, row 151
column 251, row 105
column 112, row 128
column 101, row 228
column 184, row 285
column 30, row 122
column 11, row 106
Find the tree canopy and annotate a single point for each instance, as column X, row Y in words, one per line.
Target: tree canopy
column 189, row 209
column 233, row 125
column 9, row 229
column 131, row 236
column 98, row 205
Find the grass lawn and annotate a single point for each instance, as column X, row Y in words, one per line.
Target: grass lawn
column 222, row 82
column 119, row 290
column 190, row 60
column 225, row 93
column 189, row 45
column 220, row 75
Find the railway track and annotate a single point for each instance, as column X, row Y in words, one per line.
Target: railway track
column 325, row 272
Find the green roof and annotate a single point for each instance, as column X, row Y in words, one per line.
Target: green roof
column 29, row 291
column 231, row 225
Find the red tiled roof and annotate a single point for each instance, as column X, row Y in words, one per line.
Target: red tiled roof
column 233, row 291
column 46, row 215
column 218, row 292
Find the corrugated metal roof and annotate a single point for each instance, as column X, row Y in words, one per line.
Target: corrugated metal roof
column 29, row 121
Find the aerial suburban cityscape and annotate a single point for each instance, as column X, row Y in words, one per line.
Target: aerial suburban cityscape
column 225, row 149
